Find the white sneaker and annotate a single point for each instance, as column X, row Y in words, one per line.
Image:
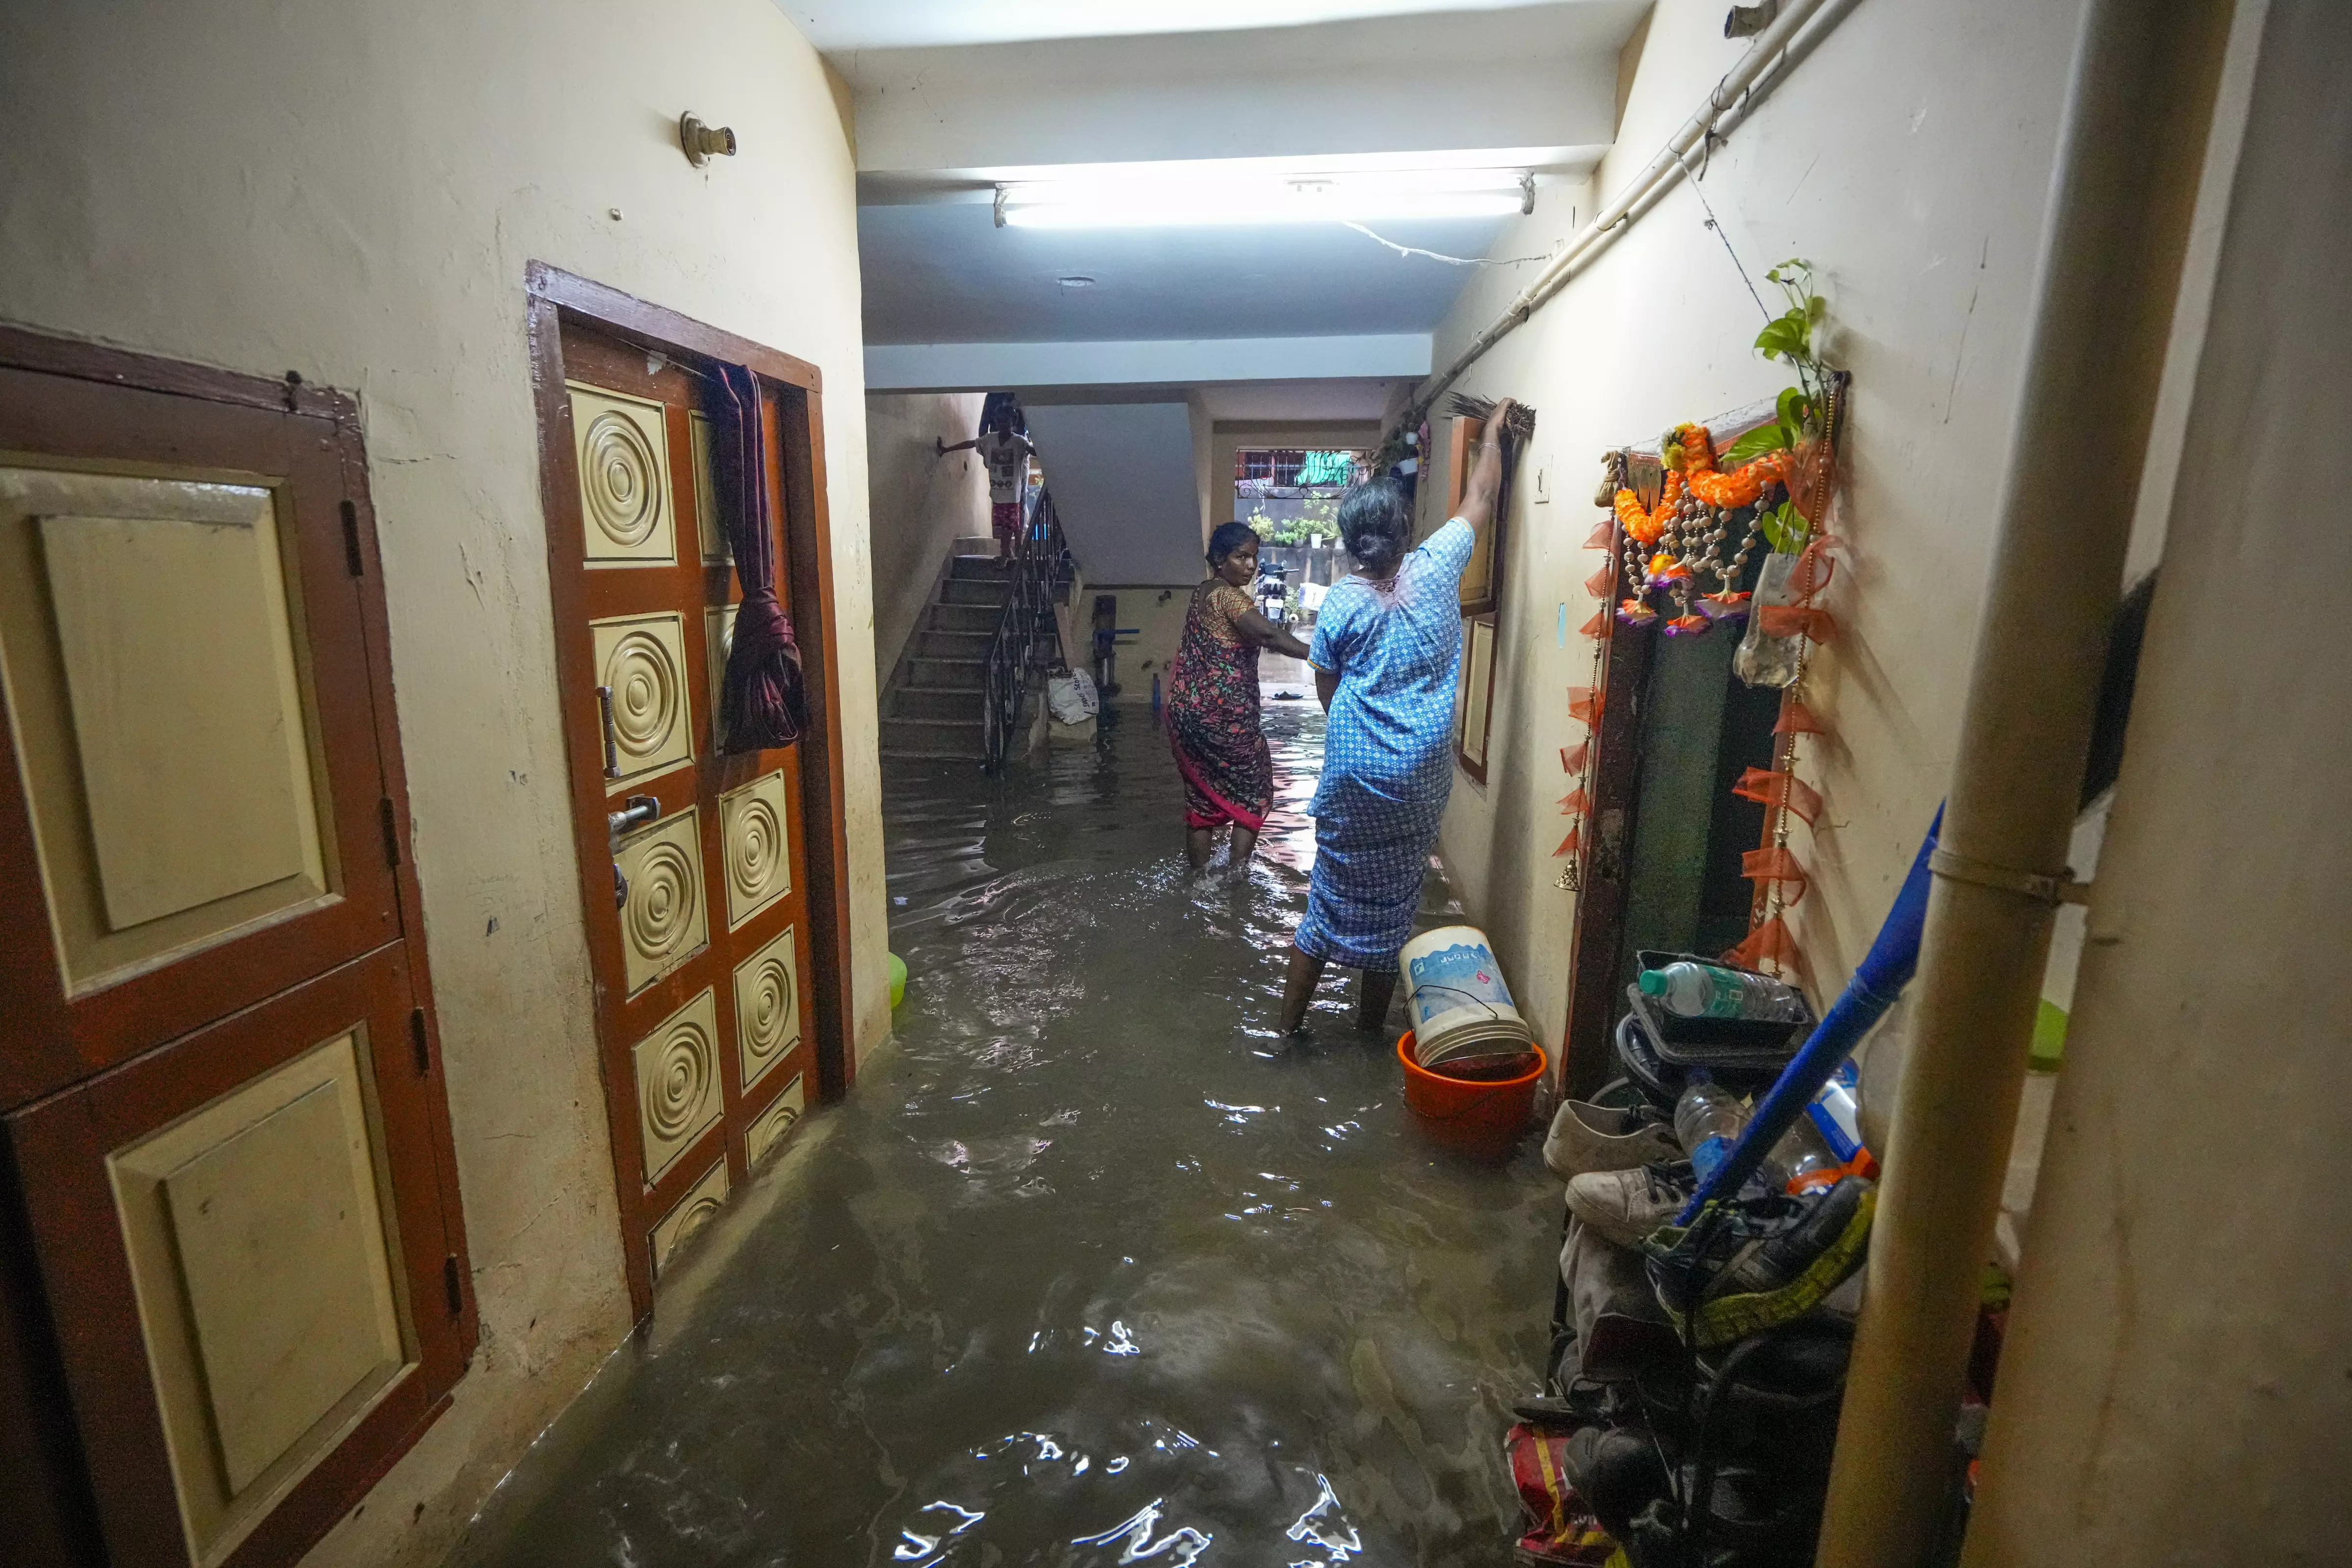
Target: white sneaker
column 1601, row 1138
column 1624, row 1206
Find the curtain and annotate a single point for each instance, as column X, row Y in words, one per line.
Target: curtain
column 762, row 701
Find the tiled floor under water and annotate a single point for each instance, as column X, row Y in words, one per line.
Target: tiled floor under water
column 1091, row 1267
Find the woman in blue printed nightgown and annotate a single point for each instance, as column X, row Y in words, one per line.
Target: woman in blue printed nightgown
column 1387, row 652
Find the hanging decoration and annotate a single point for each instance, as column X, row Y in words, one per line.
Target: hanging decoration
column 1585, row 702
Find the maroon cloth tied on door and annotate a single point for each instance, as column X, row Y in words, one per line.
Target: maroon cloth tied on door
column 762, row 698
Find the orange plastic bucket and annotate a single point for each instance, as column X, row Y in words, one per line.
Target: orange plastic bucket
column 1477, row 1116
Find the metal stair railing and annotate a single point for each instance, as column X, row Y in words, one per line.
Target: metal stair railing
column 1025, row 627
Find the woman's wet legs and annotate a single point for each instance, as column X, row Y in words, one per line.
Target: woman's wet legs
column 1375, row 991
column 1244, row 841
column 1299, row 989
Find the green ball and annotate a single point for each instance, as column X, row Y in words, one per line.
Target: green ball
column 897, row 981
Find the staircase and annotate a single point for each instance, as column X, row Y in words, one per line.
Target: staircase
column 934, row 707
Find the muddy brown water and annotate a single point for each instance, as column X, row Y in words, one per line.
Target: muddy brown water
column 1091, row 1267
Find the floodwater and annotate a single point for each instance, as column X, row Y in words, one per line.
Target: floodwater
column 1091, row 1268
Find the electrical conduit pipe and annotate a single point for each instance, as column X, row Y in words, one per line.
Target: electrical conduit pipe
column 2130, row 152
column 1731, row 99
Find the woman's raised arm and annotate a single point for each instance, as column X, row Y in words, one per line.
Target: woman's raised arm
column 1477, row 507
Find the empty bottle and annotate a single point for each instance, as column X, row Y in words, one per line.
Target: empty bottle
column 1805, row 1159
column 1709, row 990
column 1707, row 1119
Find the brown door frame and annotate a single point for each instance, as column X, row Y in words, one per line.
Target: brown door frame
column 796, row 466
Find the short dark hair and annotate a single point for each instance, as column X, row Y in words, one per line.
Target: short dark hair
column 1229, row 538
column 1376, row 523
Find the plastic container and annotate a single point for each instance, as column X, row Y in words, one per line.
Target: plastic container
column 1483, row 1117
column 897, row 981
column 1460, row 1007
column 1763, row 658
column 1729, row 1048
column 1687, row 990
column 1707, row 1119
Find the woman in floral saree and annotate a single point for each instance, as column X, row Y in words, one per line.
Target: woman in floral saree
column 1212, row 707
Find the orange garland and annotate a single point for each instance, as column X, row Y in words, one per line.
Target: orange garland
column 1646, row 527
column 1739, row 487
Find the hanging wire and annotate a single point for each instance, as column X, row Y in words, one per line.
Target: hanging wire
column 1440, row 256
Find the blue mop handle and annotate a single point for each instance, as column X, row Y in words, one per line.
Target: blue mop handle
column 1879, row 979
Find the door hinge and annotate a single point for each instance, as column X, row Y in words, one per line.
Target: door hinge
column 353, row 559
column 391, row 831
column 453, row 1282
column 418, row 1037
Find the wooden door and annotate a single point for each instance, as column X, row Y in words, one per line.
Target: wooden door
column 237, row 1260
column 696, row 870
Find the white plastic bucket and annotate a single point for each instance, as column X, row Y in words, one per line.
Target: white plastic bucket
column 1455, row 993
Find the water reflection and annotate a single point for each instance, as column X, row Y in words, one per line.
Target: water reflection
column 1093, row 1267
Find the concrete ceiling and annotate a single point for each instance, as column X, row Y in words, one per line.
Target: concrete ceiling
column 950, row 109
column 945, row 273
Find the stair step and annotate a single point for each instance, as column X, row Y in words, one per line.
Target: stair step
column 952, row 645
column 972, row 591
column 945, row 674
column 933, row 702
column 975, row 568
column 931, row 737
column 965, row 617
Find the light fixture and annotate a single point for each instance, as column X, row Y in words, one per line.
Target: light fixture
column 1142, row 200
column 1074, row 280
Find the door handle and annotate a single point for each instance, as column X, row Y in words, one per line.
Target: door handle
column 635, row 813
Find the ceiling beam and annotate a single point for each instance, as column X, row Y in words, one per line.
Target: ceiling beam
column 981, row 367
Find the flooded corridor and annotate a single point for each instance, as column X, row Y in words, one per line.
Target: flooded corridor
column 1092, row 1268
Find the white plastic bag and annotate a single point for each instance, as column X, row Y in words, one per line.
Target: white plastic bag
column 1071, row 698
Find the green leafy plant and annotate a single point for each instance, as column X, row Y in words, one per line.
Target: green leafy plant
column 1799, row 411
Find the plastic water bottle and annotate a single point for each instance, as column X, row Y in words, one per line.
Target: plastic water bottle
column 1706, row 990
column 1805, row 1157
column 1707, row 1119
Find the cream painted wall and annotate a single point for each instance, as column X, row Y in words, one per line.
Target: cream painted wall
column 352, row 191
column 1156, row 611
column 921, row 503
column 1908, row 157
column 2177, row 1387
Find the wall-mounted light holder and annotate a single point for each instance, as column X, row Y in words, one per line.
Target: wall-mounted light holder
column 1527, row 194
column 703, row 143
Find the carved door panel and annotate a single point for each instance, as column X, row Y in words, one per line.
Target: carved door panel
column 699, row 935
column 230, row 1209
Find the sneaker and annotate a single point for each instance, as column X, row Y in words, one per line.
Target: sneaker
column 1599, row 1138
column 1623, row 1207
column 1741, row 1268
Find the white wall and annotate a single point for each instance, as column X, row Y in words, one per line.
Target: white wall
column 1908, row 158
column 920, row 502
column 2176, row 1389
column 352, row 191
column 1126, row 487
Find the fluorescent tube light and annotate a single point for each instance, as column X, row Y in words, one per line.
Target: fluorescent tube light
column 1143, row 201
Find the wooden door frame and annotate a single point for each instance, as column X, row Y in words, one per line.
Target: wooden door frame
column 797, row 467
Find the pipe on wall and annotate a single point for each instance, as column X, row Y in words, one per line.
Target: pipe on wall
column 1776, row 50
column 2131, row 152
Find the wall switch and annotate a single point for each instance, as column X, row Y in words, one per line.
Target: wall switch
column 1543, row 484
